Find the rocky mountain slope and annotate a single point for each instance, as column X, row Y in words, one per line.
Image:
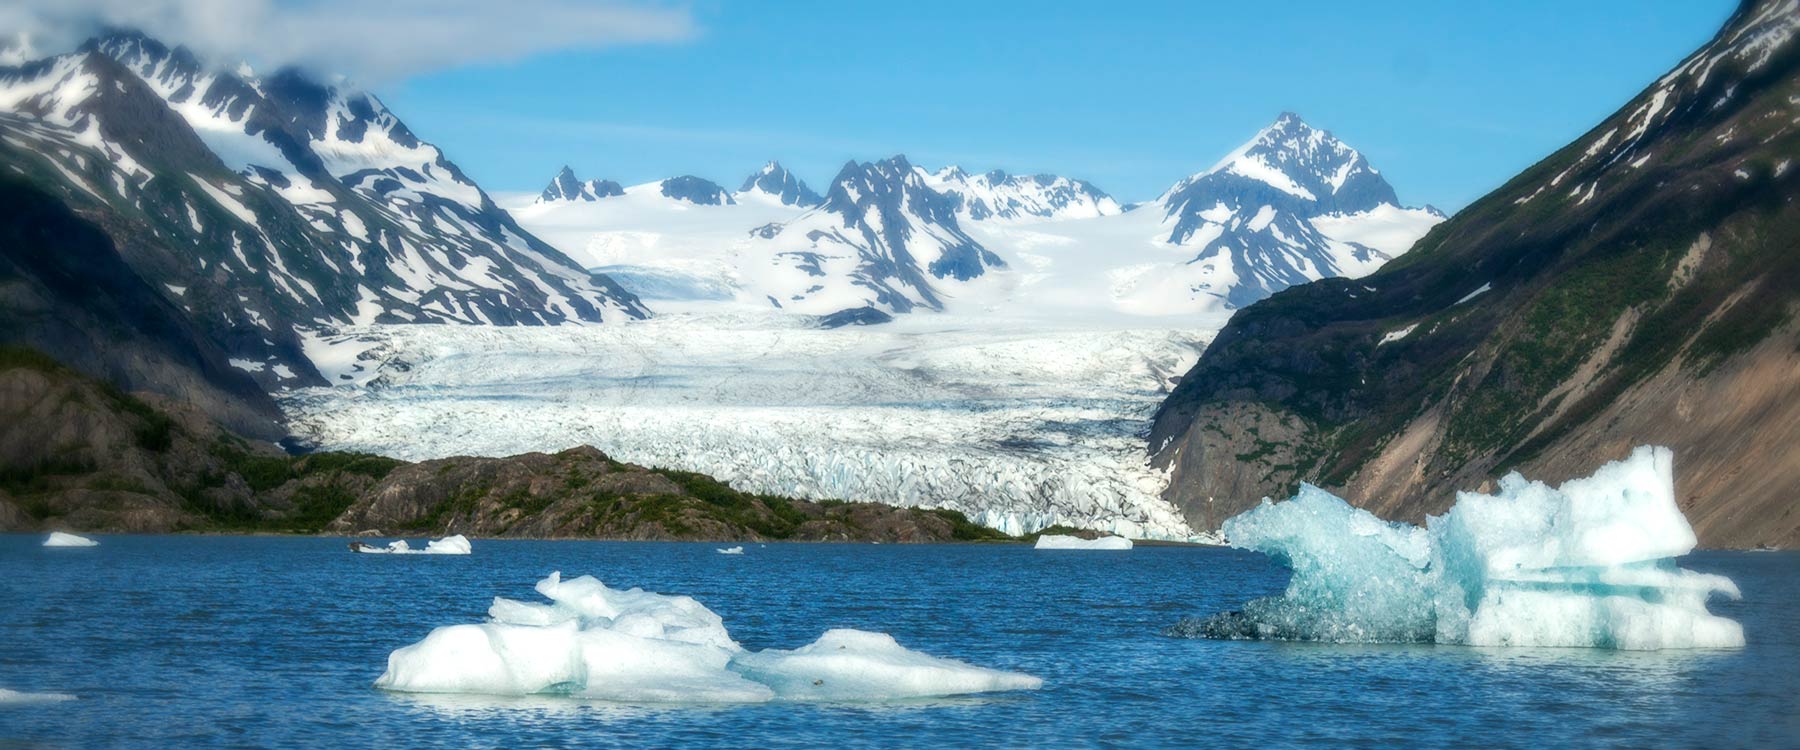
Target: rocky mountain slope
column 76, row 453
column 776, row 182
column 1637, row 286
column 567, row 187
column 261, row 205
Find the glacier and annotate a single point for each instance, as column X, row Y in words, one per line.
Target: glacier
column 1590, row 563
column 1018, row 424
column 636, row 646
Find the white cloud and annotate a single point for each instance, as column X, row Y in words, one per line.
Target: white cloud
column 370, row 40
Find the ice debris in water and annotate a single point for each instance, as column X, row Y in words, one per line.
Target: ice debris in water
column 456, row 544
column 637, row 646
column 64, row 539
column 730, row 550
column 15, row 697
column 1587, row 564
column 1058, row 541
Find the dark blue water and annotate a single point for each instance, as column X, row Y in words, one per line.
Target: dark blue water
column 204, row 642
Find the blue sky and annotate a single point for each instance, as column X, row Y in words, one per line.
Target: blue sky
column 1448, row 99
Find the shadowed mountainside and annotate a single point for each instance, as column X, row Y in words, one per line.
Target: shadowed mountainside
column 1637, row 286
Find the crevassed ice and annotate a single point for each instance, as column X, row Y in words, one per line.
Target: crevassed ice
column 1019, row 425
column 637, row 646
column 1587, row 564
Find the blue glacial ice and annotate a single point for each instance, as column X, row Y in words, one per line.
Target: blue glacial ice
column 636, row 646
column 1587, row 564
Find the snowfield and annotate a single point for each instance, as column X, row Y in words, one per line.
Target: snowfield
column 1020, row 424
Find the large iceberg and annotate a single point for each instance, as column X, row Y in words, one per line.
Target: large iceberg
column 1587, row 564
column 636, row 646
column 65, row 539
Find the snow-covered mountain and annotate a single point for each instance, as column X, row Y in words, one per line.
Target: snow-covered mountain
column 1252, row 216
column 776, row 182
column 565, row 186
column 1000, row 196
column 1294, row 204
column 259, row 204
column 883, row 238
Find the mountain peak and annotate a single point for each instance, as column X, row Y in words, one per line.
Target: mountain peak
column 1302, row 168
column 565, row 186
column 696, row 190
column 777, row 182
column 997, row 194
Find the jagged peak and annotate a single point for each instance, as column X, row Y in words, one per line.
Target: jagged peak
column 778, row 182
column 566, row 186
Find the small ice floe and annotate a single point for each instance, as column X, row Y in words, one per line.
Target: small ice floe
column 64, row 539
column 1588, row 564
column 451, row 545
column 1059, row 541
column 18, row 698
column 730, row 550
column 637, row 646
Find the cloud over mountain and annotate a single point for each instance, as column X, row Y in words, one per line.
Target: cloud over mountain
column 371, row 42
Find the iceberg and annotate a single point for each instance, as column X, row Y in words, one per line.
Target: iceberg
column 455, row 544
column 636, row 646
column 1588, row 564
column 17, row 698
column 730, row 550
column 64, row 539
column 1058, row 541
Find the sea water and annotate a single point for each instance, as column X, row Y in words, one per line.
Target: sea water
column 202, row 642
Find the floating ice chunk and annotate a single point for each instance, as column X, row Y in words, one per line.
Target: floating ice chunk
column 1587, row 564
column 731, row 550
column 18, row 698
column 641, row 647
column 63, row 539
column 456, row 544
column 856, row 665
column 1058, row 541
column 451, row 545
